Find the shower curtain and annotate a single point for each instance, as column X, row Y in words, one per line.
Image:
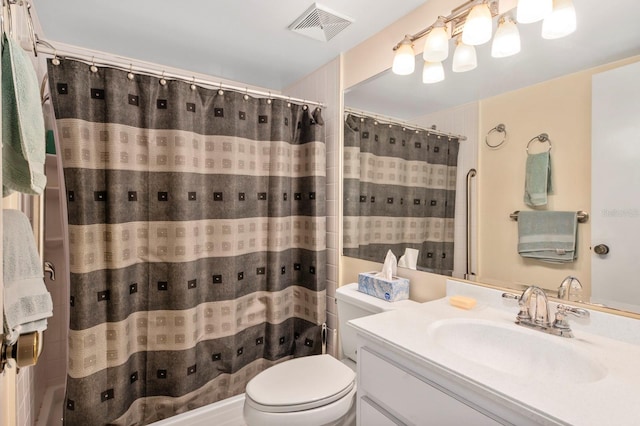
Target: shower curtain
column 399, row 192
column 197, row 240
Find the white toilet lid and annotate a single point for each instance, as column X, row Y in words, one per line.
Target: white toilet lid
column 301, row 384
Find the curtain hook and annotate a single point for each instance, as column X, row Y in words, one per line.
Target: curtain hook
column 304, row 106
column 289, row 102
column 220, row 91
column 193, row 83
column 163, row 81
column 269, row 99
column 130, row 74
column 93, row 67
column 55, row 60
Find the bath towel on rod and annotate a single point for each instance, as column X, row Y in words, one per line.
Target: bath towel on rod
column 549, row 236
column 27, row 303
column 537, row 183
column 23, row 133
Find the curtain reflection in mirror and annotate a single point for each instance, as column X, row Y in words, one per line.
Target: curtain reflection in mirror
column 399, row 192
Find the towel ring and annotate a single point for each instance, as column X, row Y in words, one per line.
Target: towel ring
column 500, row 128
column 542, row 137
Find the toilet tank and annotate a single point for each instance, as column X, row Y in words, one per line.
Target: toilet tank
column 353, row 304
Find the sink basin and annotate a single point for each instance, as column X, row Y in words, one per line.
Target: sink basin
column 515, row 350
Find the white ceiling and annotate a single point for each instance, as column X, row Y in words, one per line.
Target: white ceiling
column 243, row 40
column 606, row 32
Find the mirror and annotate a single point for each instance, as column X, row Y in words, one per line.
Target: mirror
column 546, row 88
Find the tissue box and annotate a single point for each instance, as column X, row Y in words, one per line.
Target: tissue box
column 389, row 290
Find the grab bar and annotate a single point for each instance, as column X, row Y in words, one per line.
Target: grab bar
column 470, row 175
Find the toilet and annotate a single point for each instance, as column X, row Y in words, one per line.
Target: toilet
column 315, row 390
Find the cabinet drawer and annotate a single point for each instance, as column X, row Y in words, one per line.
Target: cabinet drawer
column 411, row 398
column 369, row 415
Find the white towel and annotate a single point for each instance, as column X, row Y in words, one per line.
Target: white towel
column 27, row 303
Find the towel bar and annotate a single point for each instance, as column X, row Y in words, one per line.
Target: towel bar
column 582, row 216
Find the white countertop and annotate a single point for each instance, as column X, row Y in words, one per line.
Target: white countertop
column 612, row 399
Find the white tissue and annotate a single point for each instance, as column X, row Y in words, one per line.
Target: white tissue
column 389, row 268
column 409, row 259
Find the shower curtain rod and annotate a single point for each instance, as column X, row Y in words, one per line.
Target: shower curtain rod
column 92, row 57
column 395, row 121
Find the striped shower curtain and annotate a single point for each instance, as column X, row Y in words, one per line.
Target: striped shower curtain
column 197, row 240
column 399, row 192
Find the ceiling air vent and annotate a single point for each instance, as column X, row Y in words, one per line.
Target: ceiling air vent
column 320, row 23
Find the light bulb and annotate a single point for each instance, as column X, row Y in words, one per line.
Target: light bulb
column 529, row 11
column 561, row 22
column 478, row 25
column 404, row 62
column 436, row 44
column 432, row 72
column 464, row 58
column 506, row 42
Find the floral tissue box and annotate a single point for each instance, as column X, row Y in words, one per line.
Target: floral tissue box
column 389, row 290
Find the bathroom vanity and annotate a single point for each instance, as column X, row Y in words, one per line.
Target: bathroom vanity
column 437, row 364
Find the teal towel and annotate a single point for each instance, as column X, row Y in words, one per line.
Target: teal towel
column 537, row 183
column 548, row 236
column 23, row 133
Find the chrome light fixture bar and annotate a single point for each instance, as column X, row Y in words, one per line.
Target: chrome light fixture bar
column 471, row 24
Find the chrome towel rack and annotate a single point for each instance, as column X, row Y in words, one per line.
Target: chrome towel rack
column 582, row 216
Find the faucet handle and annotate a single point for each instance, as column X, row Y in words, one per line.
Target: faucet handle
column 523, row 314
column 560, row 323
column 510, row 296
column 578, row 312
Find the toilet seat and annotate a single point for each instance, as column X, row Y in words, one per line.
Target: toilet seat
column 301, row 384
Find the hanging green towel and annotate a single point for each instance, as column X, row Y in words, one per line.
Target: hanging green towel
column 537, row 183
column 548, row 236
column 23, row 133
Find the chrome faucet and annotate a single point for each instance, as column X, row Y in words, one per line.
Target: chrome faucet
column 534, row 312
column 570, row 289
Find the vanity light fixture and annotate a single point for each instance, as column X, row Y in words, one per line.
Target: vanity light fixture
column 464, row 57
column 506, row 42
column 530, row 11
column 432, row 72
column 436, row 44
column 472, row 24
column 404, row 61
column 561, row 22
column 478, row 26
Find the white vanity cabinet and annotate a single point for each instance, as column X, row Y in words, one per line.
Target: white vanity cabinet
column 390, row 393
column 435, row 364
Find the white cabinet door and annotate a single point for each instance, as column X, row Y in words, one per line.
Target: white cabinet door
column 410, row 398
column 615, row 181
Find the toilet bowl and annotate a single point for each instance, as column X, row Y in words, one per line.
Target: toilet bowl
column 316, row 390
column 312, row 391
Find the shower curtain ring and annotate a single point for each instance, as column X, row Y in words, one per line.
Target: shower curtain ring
column 163, row 81
column 93, row 67
column 130, row 75
column 193, row 83
column 220, row 91
column 55, row 60
column 304, row 106
column 246, row 94
column 289, row 102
